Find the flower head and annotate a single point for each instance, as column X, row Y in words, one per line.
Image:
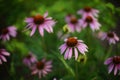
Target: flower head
column 40, row 22
column 110, row 36
column 7, row 32
column 73, row 23
column 88, row 11
column 29, row 59
column 71, row 45
column 91, row 21
column 42, row 68
column 3, row 53
column 113, row 64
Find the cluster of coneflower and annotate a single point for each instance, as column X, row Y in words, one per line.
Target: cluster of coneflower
column 72, row 45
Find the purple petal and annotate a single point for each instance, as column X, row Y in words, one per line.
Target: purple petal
column 63, row 48
column 115, row 70
column 46, row 14
column 76, row 53
column 33, row 30
column 3, row 58
column 66, row 54
column 108, row 61
column 41, row 31
column 6, row 53
column 29, row 20
column 110, row 68
column 70, row 53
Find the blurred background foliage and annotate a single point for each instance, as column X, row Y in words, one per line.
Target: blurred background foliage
column 13, row 12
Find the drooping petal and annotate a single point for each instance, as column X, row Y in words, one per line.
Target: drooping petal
column 76, row 53
column 66, row 53
column 41, row 31
column 108, row 61
column 70, row 53
column 33, row 30
column 110, row 68
column 115, row 70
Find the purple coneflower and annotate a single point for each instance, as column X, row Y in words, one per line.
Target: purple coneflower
column 91, row 21
column 42, row 68
column 73, row 23
column 7, row 32
column 110, row 36
column 3, row 53
column 71, row 45
column 30, row 59
column 113, row 64
column 40, row 22
column 88, row 11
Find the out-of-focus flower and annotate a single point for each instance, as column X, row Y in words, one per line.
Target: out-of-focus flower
column 71, row 45
column 88, row 11
column 40, row 22
column 57, row 79
column 82, row 58
column 30, row 59
column 3, row 53
column 7, row 32
column 42, row 68
column 62, row 34
column 110, row 36
column 73, row 23
column 91, row 21
column 113, row 64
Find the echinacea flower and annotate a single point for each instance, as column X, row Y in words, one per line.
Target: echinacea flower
column 88, row 11
column 30, row 59
column 110, row 36
column 113, row 64
column 42, row 68
column 40, row 22
column 72, row 44
column 7, row 32
column 73, row 23
column 3, row 53
column 90, row 21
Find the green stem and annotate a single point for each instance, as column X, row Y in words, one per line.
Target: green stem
column 108, row 52
column 67, row 66
column 44, row 46
column 76, row 70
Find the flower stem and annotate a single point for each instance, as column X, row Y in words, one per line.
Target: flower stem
column 76, row 70
column 44, row 46
column 108, row 52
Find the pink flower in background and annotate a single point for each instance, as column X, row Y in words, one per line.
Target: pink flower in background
column 110, row 36
column 3, row 53
column 7, row 32
column 40, row 22
column 30, row 59
column 73, row 23
column 42, row 68
column 113, row 64
column 91, row 21
column 71, row 45
column 88, row 11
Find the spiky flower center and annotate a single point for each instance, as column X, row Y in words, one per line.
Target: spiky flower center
column 72, row 42
column 40, row 65
column 89, row 19
column 116, row 60
column 73, row 20
column 38, row 19
column 87, row 9
column 110, row 35
column 5, row 31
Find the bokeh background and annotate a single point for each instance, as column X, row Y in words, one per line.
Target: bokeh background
column 91, row 67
